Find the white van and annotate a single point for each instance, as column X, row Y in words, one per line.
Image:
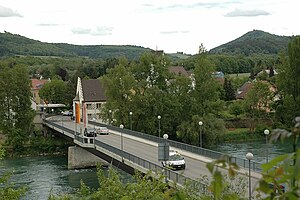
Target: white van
column 176, row 161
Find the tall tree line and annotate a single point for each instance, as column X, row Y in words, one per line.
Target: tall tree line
column 148, row 90
column 16, row 114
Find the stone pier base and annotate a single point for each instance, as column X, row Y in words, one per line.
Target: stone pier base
column 79, row 158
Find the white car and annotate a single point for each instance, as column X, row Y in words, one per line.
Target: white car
column 102, row 130
column 176, row 161
column 67, row 113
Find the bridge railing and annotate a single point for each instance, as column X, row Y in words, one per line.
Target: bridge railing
column 171, row 175
column 256, row 166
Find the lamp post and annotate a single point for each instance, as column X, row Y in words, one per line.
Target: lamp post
column 122, row 126
column 266, row 132
column 200, row 133
column 130, row 115
column 109, row 117
column 166, row 152
column 158, row 117
column 249, row 156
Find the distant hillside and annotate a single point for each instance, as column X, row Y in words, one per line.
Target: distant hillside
column 254, row 42
column 13, row 44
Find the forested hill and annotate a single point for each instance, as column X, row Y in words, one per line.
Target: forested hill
column 254, row 42
column 13, row 44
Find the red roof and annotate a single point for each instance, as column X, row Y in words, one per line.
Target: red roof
column 178, row 70
column 37, row 84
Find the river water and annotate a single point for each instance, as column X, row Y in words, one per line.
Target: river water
column 259, row 149
column 45, row 175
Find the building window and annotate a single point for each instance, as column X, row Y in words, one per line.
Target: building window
column 88, row 106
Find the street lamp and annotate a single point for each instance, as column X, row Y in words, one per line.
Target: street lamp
column 109, row 117
column 266, row 132
column 130, row 114
column 249, row 156
column 200, row 133
column 158, row 117
column 62, row 119
column 122, row 126
column 166, row 152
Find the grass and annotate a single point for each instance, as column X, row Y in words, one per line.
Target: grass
column 237, row 130
column 240, row 135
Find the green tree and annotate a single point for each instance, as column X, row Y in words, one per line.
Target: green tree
column 55, row 91
column 229, row 90
column 286, row 173
column 211, row 130
column 16, row 114
column 257, row 102
column 288, row 83
column 236, row 108
column 205, row 91
column 119, row 83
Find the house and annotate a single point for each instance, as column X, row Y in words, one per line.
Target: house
column 36, row 85
column 246, row 87
column 178, row 70
column 219, row 77
column 89, row 100
column 243, row 90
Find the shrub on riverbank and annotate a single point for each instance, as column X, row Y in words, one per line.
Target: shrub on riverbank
column 39, row 144
column 241, row 135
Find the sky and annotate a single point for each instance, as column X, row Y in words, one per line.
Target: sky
column 168, row 25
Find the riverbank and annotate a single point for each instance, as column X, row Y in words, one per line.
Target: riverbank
column 37, row 145
column 238, row 135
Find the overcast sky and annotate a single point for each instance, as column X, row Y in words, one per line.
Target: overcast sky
column 169, row 25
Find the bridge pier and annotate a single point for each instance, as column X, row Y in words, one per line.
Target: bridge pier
column 79, row 158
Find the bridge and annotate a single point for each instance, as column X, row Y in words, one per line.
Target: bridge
column 131, row 150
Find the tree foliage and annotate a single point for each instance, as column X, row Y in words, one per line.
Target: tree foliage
column 229, row 90
column 16, row 114
column 254, row 42
column 257, row 102
column 288, row 82
column 147, row 89
column 283, row 171
column 13, row 44
column 54, row 91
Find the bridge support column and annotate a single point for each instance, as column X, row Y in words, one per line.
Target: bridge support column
column 79, row 158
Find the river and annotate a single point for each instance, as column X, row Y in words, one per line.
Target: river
column 45, row 175
column 259, row 149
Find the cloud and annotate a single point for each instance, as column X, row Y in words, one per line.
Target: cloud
column 7, row 12
column 47, row 24
column 197, row 5
column 246, row 13
column 174, row 32
column 102, row 30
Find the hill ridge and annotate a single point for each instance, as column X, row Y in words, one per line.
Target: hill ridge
column 254, row 42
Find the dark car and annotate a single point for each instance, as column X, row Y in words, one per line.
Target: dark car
column 90, row 132
column 277, row 189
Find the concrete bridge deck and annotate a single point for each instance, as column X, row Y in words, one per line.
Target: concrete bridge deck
column 141, row 153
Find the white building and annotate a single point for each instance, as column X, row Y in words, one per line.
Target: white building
column 89, row 97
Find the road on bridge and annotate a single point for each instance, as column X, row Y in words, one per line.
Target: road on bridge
column 148, row 150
